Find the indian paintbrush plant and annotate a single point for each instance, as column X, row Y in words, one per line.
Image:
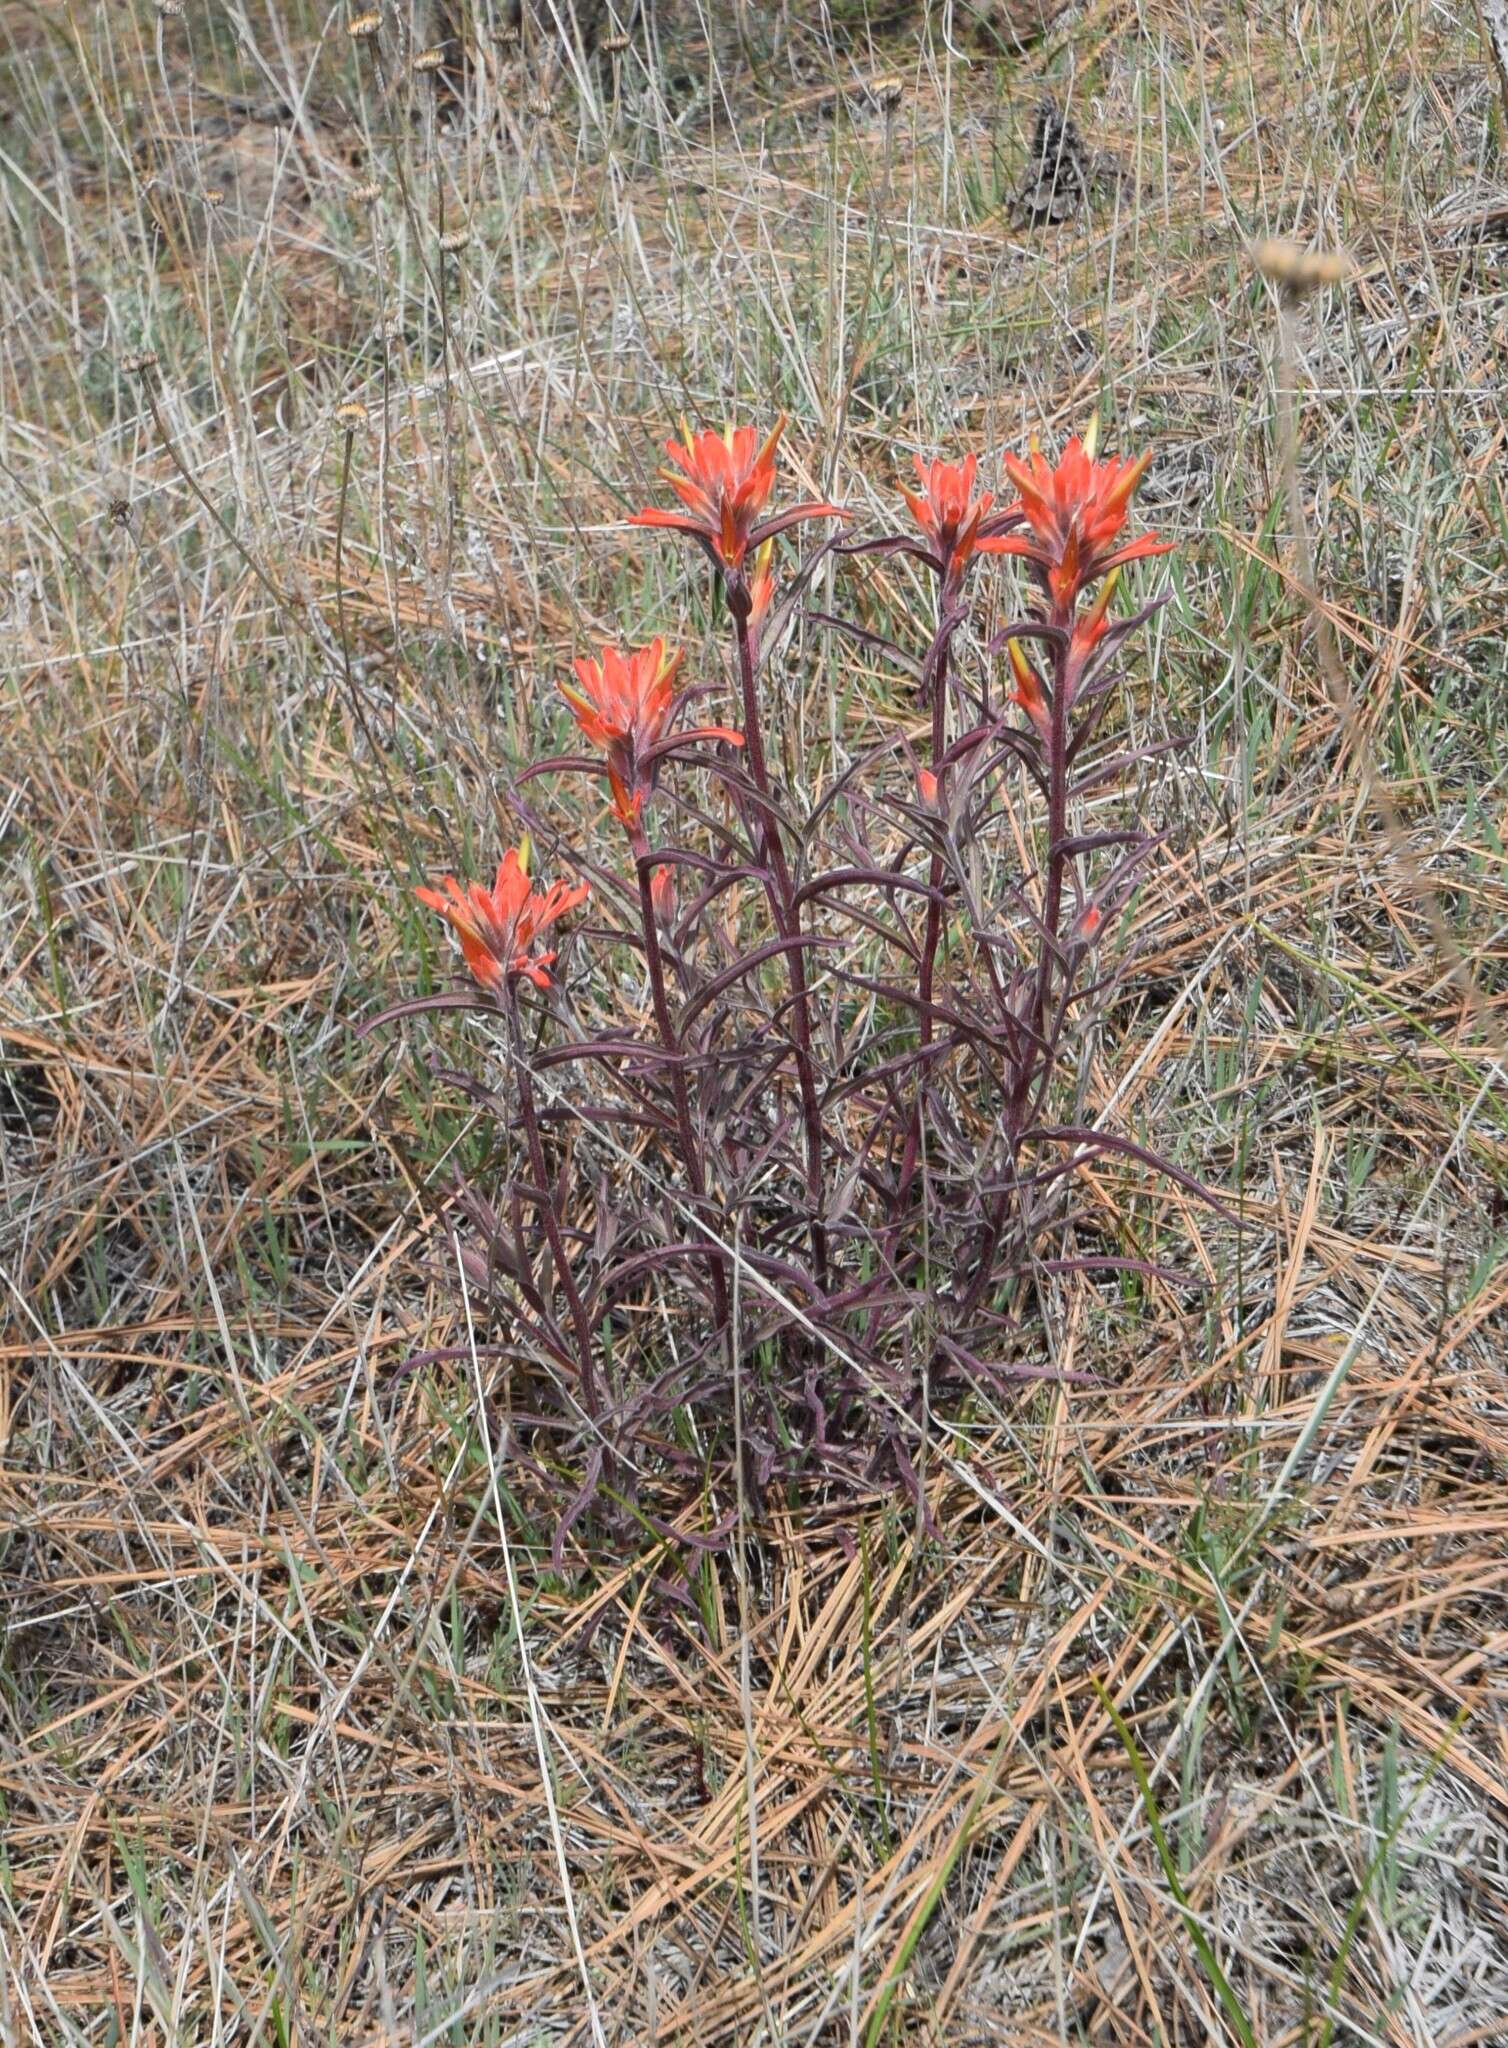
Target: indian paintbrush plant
column 823, row 1163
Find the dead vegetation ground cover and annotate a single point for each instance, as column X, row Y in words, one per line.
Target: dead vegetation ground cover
column 1188, row 1716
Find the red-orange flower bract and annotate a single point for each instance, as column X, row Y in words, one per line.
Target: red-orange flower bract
column 1026, row 691
column 951, row 517
column 662, row 895
column 498, row 927
column 1075, row 511
column 762, row 585
column 725, row 485
column 1090, row 627
column 625, row 705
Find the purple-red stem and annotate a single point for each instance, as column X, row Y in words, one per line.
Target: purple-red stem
column 530, row 1120
column 694, row 1170
column 1035, row 1073
column 932, row 935
column 1057, row 824
column 787, row 921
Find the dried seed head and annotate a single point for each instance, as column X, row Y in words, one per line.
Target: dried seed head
column 454, row 240
column 540, row 105
column 508, row 35
column 887, row 93
column 120, row 511
column 431, row 59
column 368, row 194
column 361, row 26
column 139, row 362
column 614, row 46
column 169, row 9
column 1296, row 271
column 351, row 415
column 213, row 195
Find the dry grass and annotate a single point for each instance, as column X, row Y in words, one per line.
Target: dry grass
column 300, row 1739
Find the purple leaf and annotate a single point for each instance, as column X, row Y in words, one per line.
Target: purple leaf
column 1105, row 1141
column 417, row 1006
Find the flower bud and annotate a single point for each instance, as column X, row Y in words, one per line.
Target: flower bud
column 1028, row 694
column 662, row 894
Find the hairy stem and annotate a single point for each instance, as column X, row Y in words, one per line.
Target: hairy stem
column 932, row 935
column 529, row 1117
column 1036, row 1073
column 695, row 1171
column 788, row 924
column 1028, row 1090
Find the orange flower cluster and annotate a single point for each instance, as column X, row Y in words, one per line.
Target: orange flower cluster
column 498, row 927
column 626, row 704
column 1066, row 522
column 953, row 521
column 725, row 484
column 1075, row 510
